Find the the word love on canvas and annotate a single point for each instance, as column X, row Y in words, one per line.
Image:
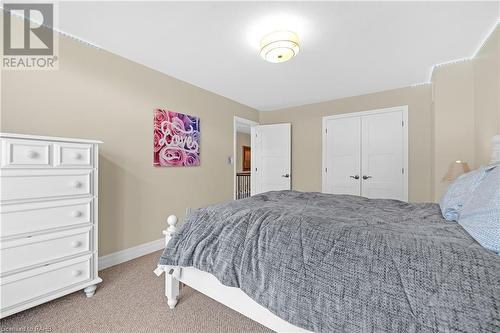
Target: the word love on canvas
column 176, row 138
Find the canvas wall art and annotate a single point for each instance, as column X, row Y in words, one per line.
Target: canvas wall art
column 176, row 139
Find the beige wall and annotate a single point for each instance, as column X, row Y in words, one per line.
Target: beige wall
column 487, row 97
column 306, row 135
column 242, row 139
column 453, row 112
column 466, row 110
column 98, row 95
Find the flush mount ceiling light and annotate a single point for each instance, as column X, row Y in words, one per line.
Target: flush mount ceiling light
column 279, row 46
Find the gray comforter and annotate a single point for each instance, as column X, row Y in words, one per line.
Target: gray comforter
column 338, row 263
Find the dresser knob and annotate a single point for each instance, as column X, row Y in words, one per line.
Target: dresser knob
column 76, row 213
column 32, row 154
column 76, row 273
column 76, row 243
column 77, row 156
column 77, row 184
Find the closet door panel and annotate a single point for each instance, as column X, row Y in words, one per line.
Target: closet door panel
column 382, row 154
column 343, row 160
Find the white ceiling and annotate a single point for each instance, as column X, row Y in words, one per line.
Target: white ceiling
column 348, row 48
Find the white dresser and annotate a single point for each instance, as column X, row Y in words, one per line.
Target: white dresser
column 48, row 209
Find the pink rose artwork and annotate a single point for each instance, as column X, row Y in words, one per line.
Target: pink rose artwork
column 176, row 139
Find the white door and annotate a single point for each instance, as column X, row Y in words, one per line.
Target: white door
column 343, row 159
column 382, row 152
column 366, row 153
column 271, row 162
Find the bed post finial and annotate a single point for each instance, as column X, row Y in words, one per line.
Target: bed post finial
column 171, row 221
column 171, row 283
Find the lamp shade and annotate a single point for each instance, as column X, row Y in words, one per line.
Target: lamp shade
column 455, row 170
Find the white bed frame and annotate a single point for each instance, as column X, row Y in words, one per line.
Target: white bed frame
column 234, row 298
column 208, row 284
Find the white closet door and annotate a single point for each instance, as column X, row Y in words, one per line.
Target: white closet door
column 383, row 156
column 271, row 158
column 343, row 154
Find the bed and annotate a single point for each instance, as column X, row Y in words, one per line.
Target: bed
column 302, row 262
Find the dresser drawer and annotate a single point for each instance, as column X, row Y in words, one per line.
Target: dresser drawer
column 36, row 185
column 25, row 252
column 73, row 155
column 21, row 288
column 26, row 153
column 29, row 218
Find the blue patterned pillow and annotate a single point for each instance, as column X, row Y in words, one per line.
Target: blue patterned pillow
column 459, row 192
column 481, row 215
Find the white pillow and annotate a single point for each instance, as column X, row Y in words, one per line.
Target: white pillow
column 459, row 192
column 480, row 216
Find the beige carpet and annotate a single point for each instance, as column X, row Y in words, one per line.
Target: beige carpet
column 131, row 299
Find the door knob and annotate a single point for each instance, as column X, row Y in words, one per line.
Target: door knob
column 366, row 177
column 285, row 176
column 355, row 177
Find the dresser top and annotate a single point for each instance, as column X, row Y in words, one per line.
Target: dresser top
column 46, row 138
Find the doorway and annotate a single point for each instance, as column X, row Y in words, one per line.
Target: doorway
column 242, row 157
column 271, row 158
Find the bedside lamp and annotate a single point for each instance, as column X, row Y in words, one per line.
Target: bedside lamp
column 456, row 169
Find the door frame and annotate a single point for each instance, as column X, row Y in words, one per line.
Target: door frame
column 402, row 108
column 238, row 120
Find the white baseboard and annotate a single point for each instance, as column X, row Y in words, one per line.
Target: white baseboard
column 130, row 253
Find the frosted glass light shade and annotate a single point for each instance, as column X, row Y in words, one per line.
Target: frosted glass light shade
column 279, row 46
